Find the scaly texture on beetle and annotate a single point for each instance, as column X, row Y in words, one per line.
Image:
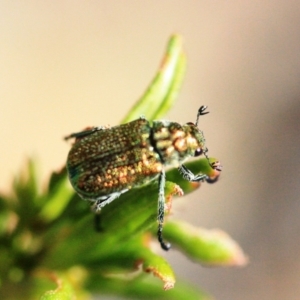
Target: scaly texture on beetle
column 106, row 162
column 129, row 155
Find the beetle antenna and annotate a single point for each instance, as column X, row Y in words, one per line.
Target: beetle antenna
column 201, row 112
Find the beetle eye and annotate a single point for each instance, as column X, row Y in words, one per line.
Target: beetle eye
column 198, row 152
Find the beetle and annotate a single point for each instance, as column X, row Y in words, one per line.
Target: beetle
column 104, row 163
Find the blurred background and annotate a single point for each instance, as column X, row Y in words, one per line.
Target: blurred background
column 65, row 65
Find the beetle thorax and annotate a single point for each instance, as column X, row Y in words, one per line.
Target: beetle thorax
column 174, row 142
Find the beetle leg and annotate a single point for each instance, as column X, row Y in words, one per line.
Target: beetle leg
column 104, row 200
column 212, row 180
column 97, row 220
column 161, row 210
column 83, row 133
column 217, row 166
column 190, row 176
column 99, row 203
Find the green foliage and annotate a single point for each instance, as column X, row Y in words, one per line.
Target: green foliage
column 50, row 250
column 162, row 92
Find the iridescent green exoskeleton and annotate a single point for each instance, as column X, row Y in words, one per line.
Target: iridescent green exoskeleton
column 106, row 162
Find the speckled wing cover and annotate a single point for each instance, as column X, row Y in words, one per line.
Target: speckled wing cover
column 112, row 160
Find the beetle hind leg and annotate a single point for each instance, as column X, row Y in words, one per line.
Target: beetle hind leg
column 98, row 222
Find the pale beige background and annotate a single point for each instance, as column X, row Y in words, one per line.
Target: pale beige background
column 68, row 64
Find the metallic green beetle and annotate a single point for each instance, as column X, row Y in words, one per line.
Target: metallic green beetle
column 106, row 162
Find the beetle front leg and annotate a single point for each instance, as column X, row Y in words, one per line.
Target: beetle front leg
column 161, row 210
column 190, row 176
